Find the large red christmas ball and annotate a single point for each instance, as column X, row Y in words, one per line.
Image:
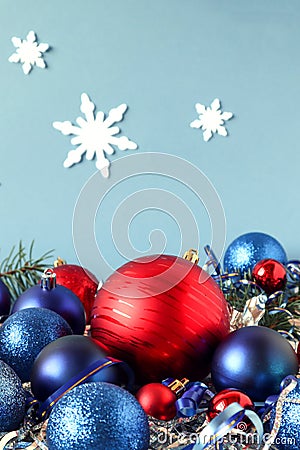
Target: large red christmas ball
column 80, row 281
column 163, row 315
column 157, row 400
column 270, row 275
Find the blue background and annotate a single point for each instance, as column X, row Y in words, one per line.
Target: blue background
column 159, row 57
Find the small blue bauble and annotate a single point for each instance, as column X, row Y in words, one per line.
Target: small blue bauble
column 98, row 416
column 25, row 333
column 4, row 299
column 250, row 248
column 288, row 437
column 12, row 399
column 57, row 298
column 254, row 360
column 65, row 358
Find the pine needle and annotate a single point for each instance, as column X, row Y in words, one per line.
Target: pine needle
column 20, row 270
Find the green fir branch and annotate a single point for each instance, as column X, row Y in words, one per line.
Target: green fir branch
column 20, row 270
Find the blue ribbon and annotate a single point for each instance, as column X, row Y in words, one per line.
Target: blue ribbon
column 190, row 401
column 272, row 399
column 212, row 260
column 223, row 423
column 293, row 269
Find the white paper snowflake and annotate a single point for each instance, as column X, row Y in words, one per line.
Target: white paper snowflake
column 211, row 119
column 29, row 52
column 95, row 135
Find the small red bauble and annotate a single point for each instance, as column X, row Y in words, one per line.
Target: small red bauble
column 225, row 398
column 81, row 282
column 157, row 400
column 163, row 315
column 270, row 275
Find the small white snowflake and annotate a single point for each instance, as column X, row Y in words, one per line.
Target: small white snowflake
column 211, row 119
column 95, row 135
column 29, row 52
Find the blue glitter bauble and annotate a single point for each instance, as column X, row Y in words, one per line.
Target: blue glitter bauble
column 4, row 299
column 254, row 360
column 25, row 333
column 12, row 399
column 250, row 248
column 98, row 416
column 288, row 437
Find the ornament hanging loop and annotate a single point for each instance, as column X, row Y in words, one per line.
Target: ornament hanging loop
column 192, row 255
column 59, row 262
column 48, row 280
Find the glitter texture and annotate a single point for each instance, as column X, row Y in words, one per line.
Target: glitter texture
column 12, row 399
column 247, row 250
column 25, row 333
column 98, row 416
column 288, row 436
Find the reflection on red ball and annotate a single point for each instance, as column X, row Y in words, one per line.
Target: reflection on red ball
column 157, row 400
column 225, row 398
column 80, row 281
column 270, row 275
column 163, row 315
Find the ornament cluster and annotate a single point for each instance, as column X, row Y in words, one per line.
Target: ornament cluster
column 161, row 347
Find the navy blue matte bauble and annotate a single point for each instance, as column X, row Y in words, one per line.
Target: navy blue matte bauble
column 59, row 299
column 98, row 416
column 12, row 399
column 250, row 248
column 67, row 357
column 25, row 333
column 5, row 299
column 254, row 360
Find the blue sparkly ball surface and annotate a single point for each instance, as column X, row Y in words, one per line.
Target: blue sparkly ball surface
column 12, row 399
column 25, row 333
column 98, row 416
column 288, row 437
column 250, row 248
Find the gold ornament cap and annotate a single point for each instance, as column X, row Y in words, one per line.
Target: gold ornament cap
column 192, row 255
column 59, row 262
column 178, row 386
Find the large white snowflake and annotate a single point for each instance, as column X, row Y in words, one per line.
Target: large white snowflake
column 95, row 135
column 211, row 119
column 29, row 52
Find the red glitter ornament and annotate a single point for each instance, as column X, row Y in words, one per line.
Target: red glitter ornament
column 157, row 400
column 81, row 282
column 225, row 398
column 270, row 275
column 163, row 315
